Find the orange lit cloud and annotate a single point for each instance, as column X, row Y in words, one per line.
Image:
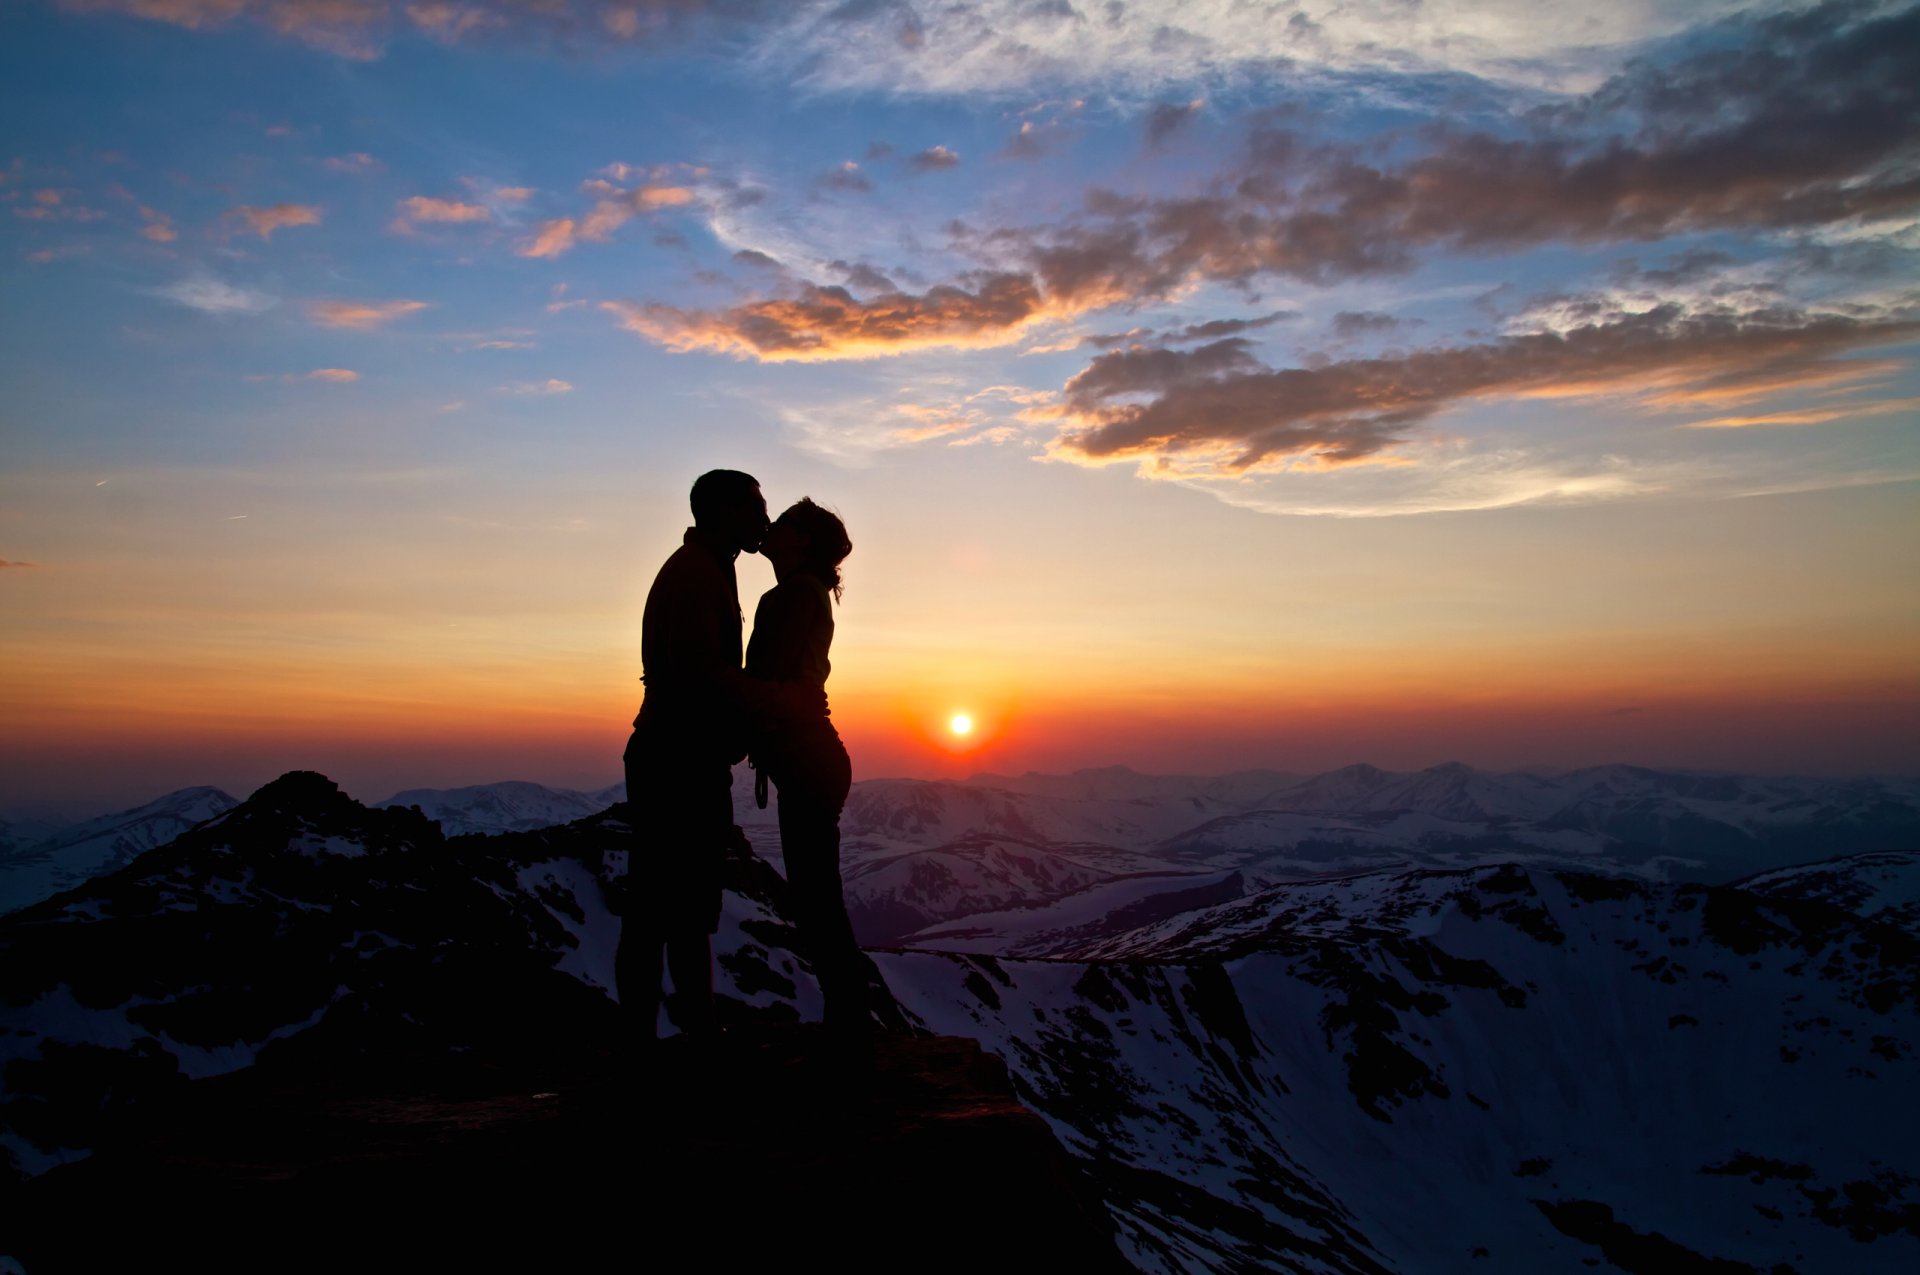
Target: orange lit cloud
column 16, row 566
column 1216, row 406
column 613, row 209
column 831, row 323
column 264, row 221
column 53, row 205
column 338, row 375
column 360, row 314
column 343, row 27
column 1813, row 416
column 553, row 238
column 159, row 227
column 421, row 208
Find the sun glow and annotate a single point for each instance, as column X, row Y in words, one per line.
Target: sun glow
column 961, row 724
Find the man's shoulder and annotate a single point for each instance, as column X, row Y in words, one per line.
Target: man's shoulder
column 690, row 564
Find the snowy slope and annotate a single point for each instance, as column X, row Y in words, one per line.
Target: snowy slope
column 1880, row 887
column 508, row 806
column 1497, row 1069
column 63, row 859
column 301, row 911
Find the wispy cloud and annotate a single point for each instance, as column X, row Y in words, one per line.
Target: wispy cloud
column 211, row 296
column 6, row 565
column 264, row 221
column 551, row 385
column 360, row 314
column 851, row 433
column 355, row 164
column 158, row 227
column 613, row 207
column 1813, row 415
column 337, row 375
column 423, row 208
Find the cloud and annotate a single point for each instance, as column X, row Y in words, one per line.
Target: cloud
column 1354, row 323
column 5, row 565
column 1168, row 118
column 1214, row 329
column 1135, row 51
column 211, row 296
column 264, row 221
column 419, row 208
column 360, row 314
column 933, row 159
column 1028, row 142
column 999, row 46
column 343, row 27
column 1795, row 122
column 337, row 375
column 551, row 239
column 847, row 177
column 1216, row 410
column 819, row 323
column 52, row 205
column 851, row 433
column 159, row 227
column 549, row 386
column 1814, row 415
column 613, row 209
column 356, row 164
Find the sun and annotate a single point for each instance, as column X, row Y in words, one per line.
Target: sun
column 961, row 724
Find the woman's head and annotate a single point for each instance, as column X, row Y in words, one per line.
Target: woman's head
column 813, row 539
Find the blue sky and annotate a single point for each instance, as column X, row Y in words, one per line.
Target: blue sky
column 1165, row 361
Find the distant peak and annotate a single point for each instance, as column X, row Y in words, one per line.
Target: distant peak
column 297, row 788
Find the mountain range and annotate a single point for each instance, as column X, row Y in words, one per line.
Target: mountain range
column 1407, row 1066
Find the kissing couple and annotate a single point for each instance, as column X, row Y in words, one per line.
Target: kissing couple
column 703, row 710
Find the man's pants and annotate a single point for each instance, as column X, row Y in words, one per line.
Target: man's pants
column 682, row 815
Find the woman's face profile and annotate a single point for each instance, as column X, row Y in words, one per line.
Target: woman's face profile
column 785, row 545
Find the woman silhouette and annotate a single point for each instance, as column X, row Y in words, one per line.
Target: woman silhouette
column 801, row 754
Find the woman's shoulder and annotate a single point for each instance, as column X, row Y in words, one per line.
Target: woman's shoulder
column 803, row 593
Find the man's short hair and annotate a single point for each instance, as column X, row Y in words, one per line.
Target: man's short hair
column 719, row 490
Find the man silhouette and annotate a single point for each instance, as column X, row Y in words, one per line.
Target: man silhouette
column 679, row 762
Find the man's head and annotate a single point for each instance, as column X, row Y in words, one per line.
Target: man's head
column 727, row 504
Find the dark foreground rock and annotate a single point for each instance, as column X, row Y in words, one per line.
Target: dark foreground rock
column 773, row 1147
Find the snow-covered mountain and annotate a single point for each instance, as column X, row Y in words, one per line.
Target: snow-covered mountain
column 301, row 910
column 1496, row 1068
column 1027, row 864
column 510, row 806
column 59, row 860
column 1880, row 887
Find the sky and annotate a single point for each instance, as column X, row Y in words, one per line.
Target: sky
column 1204, row 386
